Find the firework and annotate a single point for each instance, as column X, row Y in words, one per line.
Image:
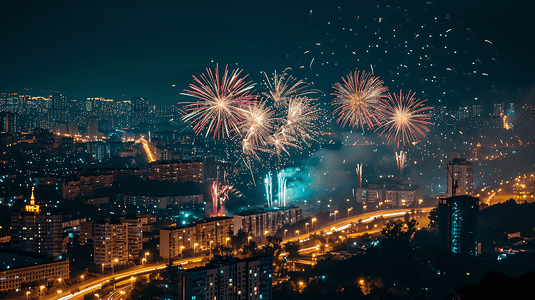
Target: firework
column 220, row 104
column 403, row 118
column 257, row 127
column 400, row 160
column 301, row 118
column 281, row 180
column 359, row 174
column 220, row 194
column 283, row 86
column 357, row 98
column 268, row 183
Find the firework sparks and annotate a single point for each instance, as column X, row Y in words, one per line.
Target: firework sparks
column 257, row 126
column 403, row 118
column 400, row 160
column 220, row 194
column 221, row 102
column 357, row 98
column 301, row 118
column 282, row 86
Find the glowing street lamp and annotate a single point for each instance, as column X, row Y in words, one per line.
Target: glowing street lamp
column 313, row 220
column 226, row 241
column 306, row 227
column 181, row 248
column 297, row 232
column 335, row 213
column 195, row 247
column 27, row 294
column 348, row 210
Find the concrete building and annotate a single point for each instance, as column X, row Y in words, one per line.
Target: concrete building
column 204, row 234
column 458, row 224
column 20, row 269
column 230, row 279
column 193, row 171
column 110, row 243
column 390, row 194
column 460, row 177
column 262, row 222
column 158, row 201
column 37, row 230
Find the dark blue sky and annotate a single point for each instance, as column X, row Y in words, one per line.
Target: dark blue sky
column 130, row 48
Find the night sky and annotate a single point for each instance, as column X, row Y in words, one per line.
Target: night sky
column 124, row 49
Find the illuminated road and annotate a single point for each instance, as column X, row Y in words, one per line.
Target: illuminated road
column 344, row 223
column 91, row 285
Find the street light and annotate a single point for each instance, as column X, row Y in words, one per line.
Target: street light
column 143, row 262
column 313, row 220
column 420, row 203
column 335, row 213
column 285, row 230
column 297, row 232
column 102, row 269
column 181, row 248
column 306, row 227
column 348, row 210
column 194, row 247
column 113, row 266
column 27, row 294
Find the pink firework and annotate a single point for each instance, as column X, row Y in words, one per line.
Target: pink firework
column 221, row 102
column 403, row 118
column 220, row 194
column 357, row 98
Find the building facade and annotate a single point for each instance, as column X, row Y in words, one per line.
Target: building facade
column 110, row 243
column 36, row 230
column 204, row 234
column 231, row 279
column 458, row 224
column 263, row 222
column 460, row 177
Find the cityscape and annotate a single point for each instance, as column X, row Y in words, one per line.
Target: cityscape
column 300, row 150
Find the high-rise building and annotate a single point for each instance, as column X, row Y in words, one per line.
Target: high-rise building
column 140, row 109
column 460, row 177
column 110, row 243
column 59, row 101
column 458, row 224
column 498, row 109
column 36, row 230
column 477, row 110
column 203, row 234
column 9, row 122
column 92, row 128
column 135, row 236
column 59, row 110
column 231, row 279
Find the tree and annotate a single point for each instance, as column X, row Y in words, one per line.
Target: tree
column 398, row 233
column 293, row 249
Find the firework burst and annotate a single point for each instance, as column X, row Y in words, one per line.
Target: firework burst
column 257, row 127
column 221, row 102
column 301, row 118
column 220, row 194
column 283, row 86
column 357, row 98
column 403, row 118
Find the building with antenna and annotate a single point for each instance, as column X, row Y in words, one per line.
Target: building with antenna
column 37, row 230
column 460, row 177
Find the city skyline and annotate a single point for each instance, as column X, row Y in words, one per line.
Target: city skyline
column 105, row 54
